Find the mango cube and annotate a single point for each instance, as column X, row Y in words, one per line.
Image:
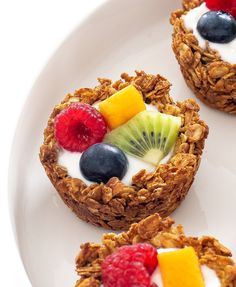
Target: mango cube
column 180, row 268
column 122, row 106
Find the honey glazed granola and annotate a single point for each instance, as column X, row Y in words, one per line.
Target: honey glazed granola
column 115, row 205
column 211, row 79
column 161, row 234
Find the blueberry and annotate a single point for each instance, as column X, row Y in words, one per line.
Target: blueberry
column 217, row 27
column 102, row 161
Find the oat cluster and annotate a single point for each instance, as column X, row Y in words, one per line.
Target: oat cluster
column 210, row 78
column 115, row 205
column 161, row 234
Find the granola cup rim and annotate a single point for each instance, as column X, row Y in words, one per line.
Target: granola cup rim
column 161, row 233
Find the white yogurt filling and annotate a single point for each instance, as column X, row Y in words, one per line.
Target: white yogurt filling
column 209, row 275
column 70, row 160
column 226, row 51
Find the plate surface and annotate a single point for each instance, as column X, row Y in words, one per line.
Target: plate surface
column 120, row 36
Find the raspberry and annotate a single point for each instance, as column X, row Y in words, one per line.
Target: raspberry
column 130, row 266
column 79, row 126
column 226, row 6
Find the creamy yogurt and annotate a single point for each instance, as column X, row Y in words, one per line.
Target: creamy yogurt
column 70, row 160
column 226, row 51
column 209, row 275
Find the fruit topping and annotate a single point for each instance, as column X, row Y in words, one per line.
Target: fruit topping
column 122, row 106
column 223, row 5
column 217, row 27
column 102, row 161
column 79, row 126
column 130, row 266
column 149, row 136
column 180, row 268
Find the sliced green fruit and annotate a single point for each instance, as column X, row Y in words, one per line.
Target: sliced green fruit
column 149, row 136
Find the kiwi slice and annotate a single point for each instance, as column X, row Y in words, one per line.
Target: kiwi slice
column 149, row 136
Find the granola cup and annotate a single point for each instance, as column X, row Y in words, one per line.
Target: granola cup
column 211, row 79
column 115, row 205
column 161, row 234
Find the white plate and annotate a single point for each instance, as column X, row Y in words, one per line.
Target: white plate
column 120, row 36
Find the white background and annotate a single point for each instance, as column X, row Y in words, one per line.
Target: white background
column 30, row 31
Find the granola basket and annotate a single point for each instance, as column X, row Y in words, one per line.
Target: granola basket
column 161, row 234
column 115, row 205
column 211, row 79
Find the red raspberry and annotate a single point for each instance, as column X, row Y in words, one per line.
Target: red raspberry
column 223, row 5
column 79, row 126
column 130, row 266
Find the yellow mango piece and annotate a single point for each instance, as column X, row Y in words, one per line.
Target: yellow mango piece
column 122, row 106
column 180, row 268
